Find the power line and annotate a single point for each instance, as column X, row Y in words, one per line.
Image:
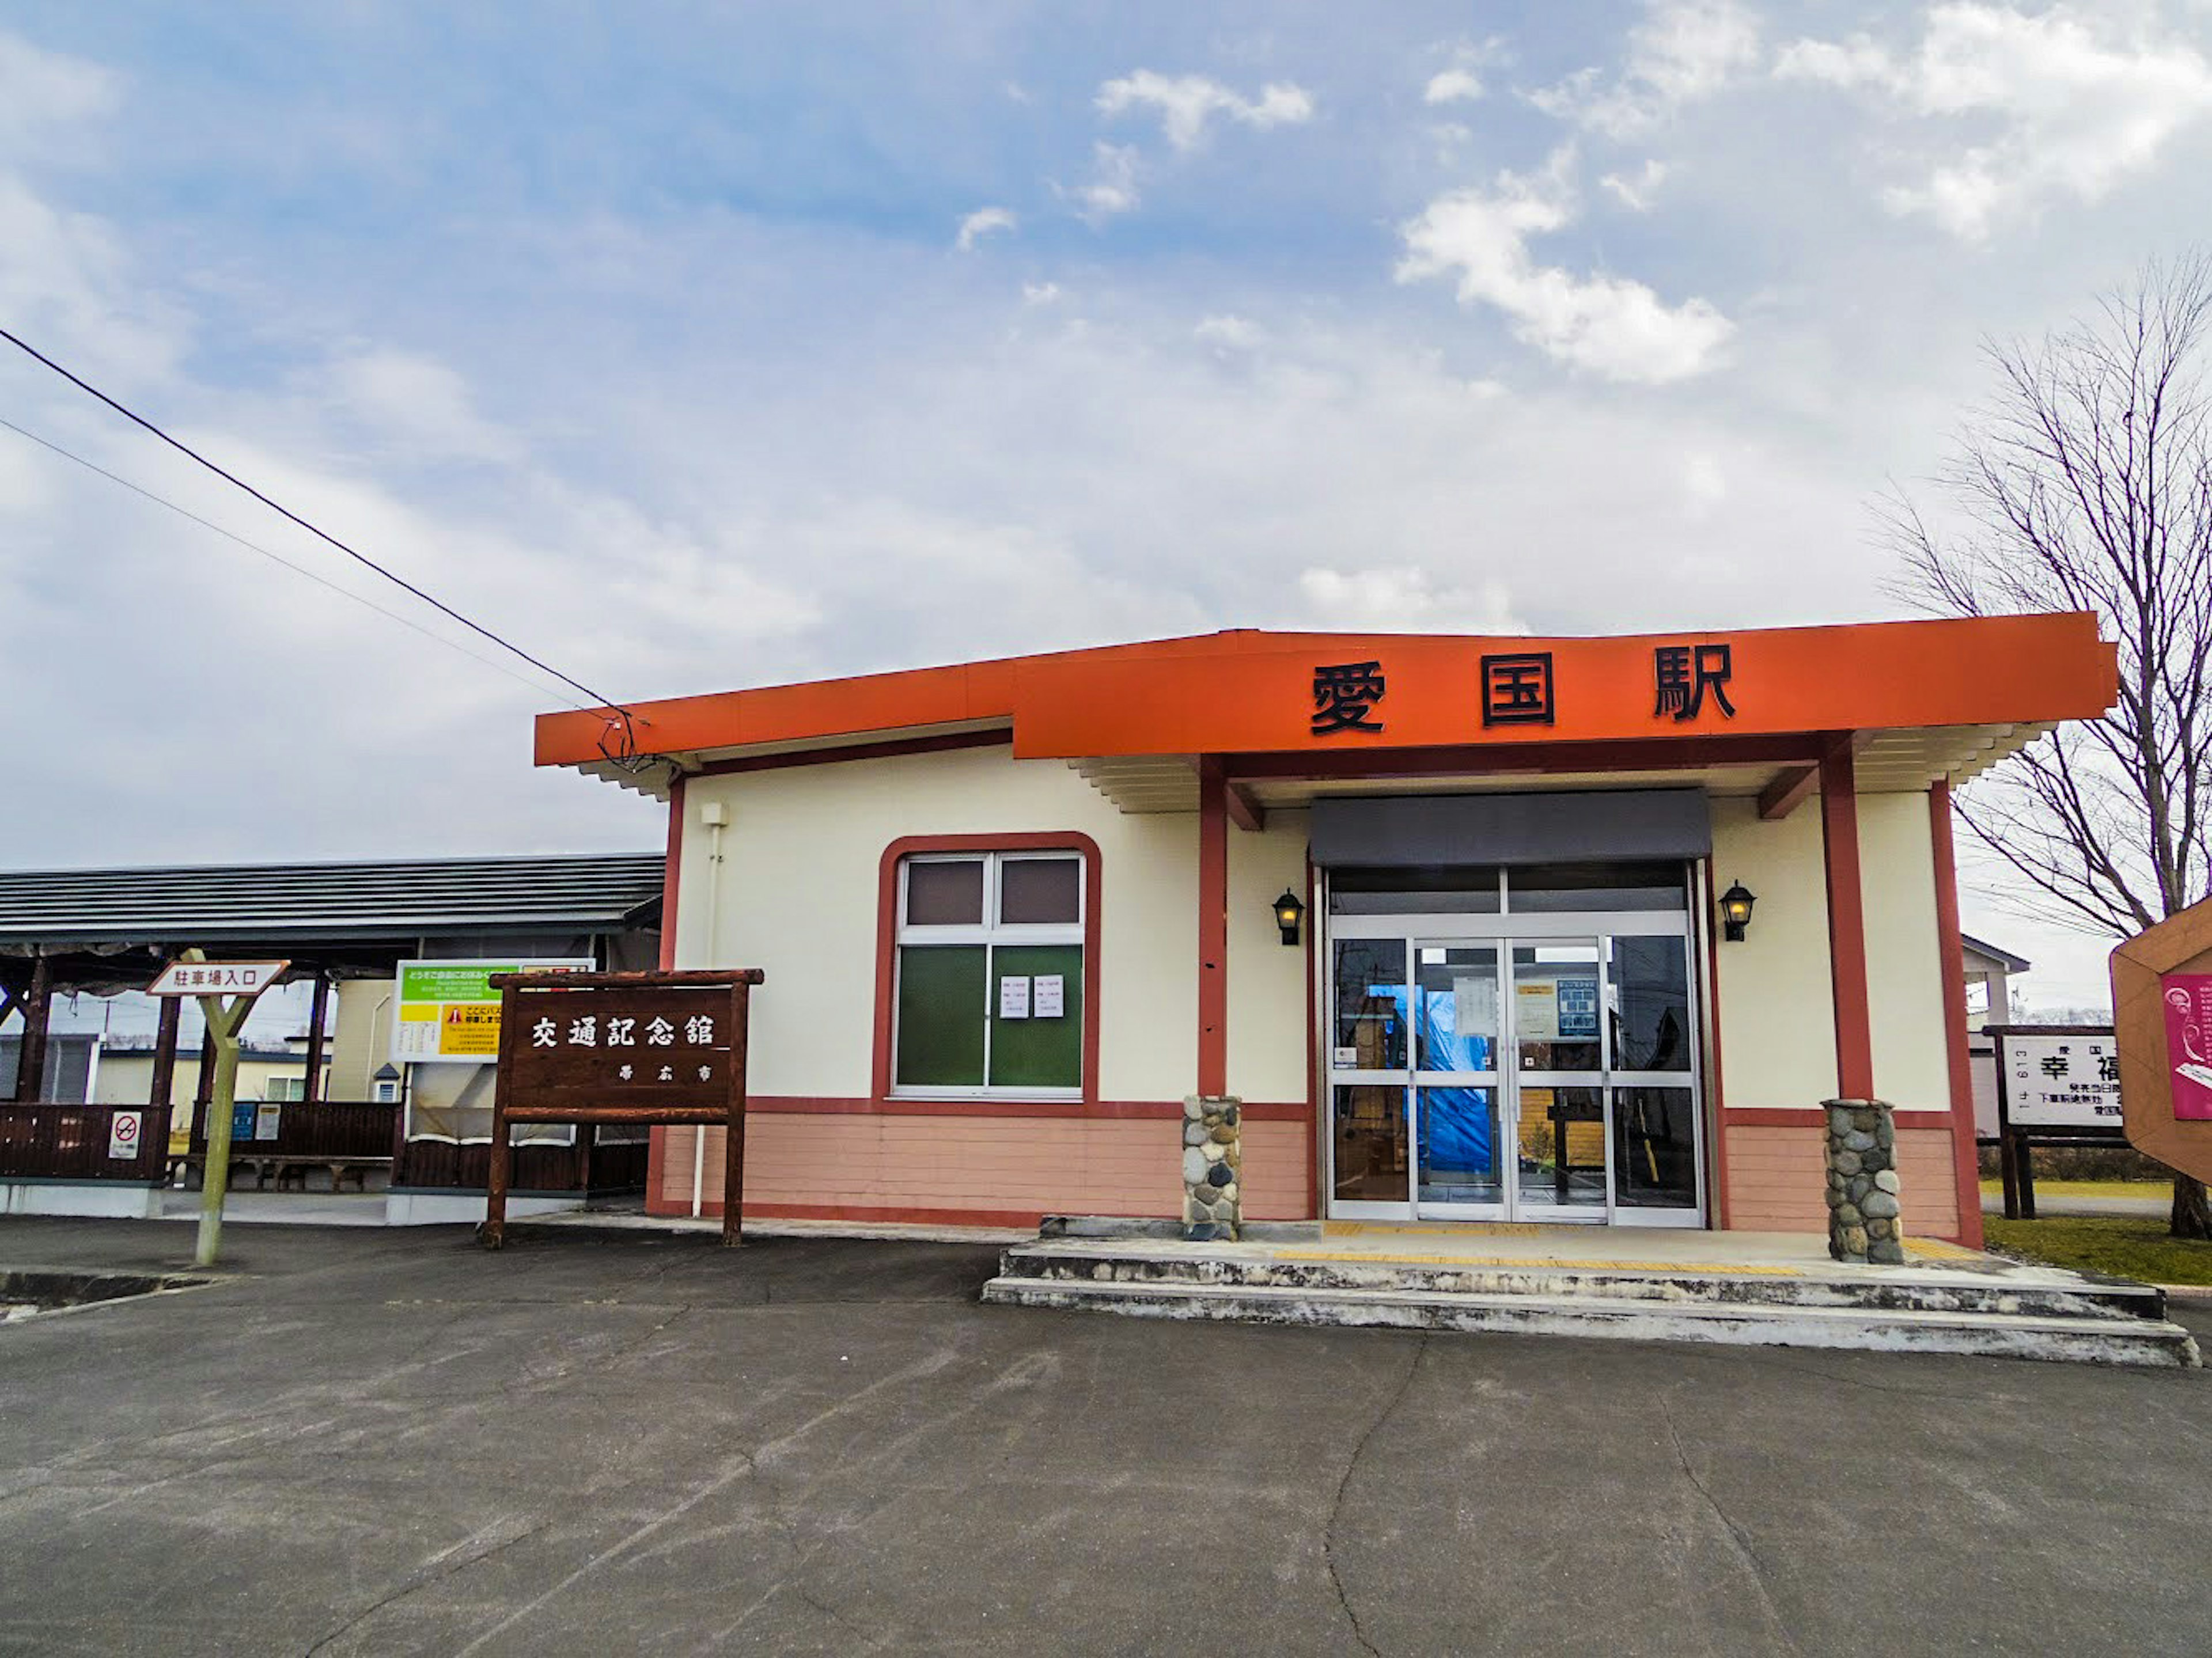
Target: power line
column 277, row 558
column 629, row 738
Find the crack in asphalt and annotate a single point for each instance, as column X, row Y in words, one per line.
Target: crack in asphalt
column 1739, row 1540
column 469, row 1551
column 1344, row 1485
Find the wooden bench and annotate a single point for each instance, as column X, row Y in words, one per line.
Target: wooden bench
column 283, row 1166
column 296, row 1167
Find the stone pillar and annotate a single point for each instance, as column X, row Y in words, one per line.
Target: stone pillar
column 1212, row 1153
column 1864, row 1223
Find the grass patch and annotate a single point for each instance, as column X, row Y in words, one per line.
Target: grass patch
column 2119, row 1245
column 2089, row 1189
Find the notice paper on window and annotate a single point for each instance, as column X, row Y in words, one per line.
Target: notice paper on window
column 1049, row 1000
column 1014, row 996
column 1473, row 1000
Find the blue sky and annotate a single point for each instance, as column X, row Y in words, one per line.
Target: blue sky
column 698, row 346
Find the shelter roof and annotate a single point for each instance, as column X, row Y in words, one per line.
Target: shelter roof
column 309, row 905
column 1923, row 701
column 2003, row 959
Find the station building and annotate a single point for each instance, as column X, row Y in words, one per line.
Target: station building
column 1485, row 929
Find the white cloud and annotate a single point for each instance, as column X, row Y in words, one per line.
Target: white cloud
column 1405, row 598
column 981, row 223
column 1040, row 293
column 40, row 90
column 2078, row 101
column 1453, row 86
column 1608, row 324
column 1460, row 81
column 1635, row 190
column 420, row 408
column 1228, row 333
column 1113, row 188
column 1186, row 103
column 1683, row 52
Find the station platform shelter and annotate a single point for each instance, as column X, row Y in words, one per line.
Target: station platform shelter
column 359, row 1104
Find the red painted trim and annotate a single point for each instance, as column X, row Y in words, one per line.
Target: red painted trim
column 890, row 749
column 672, row 881
column 1094, row 904
column 1810, row 1116
column 1717, row 1211
column 1847, row 962
column 1787, row 792
column 1951, row 954
column 1212, row 926
column 1246, row 812
column 907, row 1217
column 672, row 876
column 808, row 1106
column 1773, row 1116
column 1502, row 759
column 1318, row 1108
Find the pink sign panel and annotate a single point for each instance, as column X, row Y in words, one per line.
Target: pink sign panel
column 2188, row 999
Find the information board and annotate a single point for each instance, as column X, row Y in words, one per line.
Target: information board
column 447, row 1013
column 2060, row 1081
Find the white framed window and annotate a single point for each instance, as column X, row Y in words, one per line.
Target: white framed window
column 284, row 1089
column 387, row 1093
column 991, row 977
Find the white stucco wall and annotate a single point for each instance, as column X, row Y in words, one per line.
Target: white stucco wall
column 1904, row 969
column 1778, row 1026
column 800, row 889
column 1267, row 982
column 1778, row 1032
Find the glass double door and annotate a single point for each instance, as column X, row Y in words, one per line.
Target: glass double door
column 1484, row 1077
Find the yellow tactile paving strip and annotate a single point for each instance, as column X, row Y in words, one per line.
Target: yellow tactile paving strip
column 1448, row 1228
column 1937, row 1249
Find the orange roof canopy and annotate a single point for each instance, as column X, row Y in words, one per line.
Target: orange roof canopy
column 1251, row 692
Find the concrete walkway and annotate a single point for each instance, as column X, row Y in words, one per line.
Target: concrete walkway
column 394, row 1442
column 2055, row 1204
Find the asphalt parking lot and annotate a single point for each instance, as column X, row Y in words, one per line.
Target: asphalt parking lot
column 386, row 1442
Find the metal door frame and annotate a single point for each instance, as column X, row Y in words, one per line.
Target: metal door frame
column 1502, row 932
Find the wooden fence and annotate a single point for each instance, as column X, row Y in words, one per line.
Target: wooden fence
column 70, row 1142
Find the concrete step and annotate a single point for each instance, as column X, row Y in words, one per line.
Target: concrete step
column 1905, row 1290
column 2096, row 1339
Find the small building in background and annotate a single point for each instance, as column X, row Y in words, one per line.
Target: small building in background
column 1989, row 974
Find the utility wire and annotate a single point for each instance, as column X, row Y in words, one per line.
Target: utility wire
column 628, row 741
column 492, row 663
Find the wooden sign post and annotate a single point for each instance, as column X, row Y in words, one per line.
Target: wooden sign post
column 226, row 991
column 621, row 1047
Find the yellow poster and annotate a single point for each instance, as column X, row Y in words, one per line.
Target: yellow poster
column 470, row 1029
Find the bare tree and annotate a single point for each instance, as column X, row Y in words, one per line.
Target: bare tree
column 2086, row 484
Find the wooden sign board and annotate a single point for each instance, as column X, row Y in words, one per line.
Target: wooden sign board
column 2162, row 1022
column 621, row 1047
column 216, row 978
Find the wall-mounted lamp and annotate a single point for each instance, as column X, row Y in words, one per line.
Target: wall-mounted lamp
column 1289, row 911
column 1735, row 912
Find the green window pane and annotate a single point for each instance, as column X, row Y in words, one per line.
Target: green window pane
column 940, row 1016
column 1038, row 1053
